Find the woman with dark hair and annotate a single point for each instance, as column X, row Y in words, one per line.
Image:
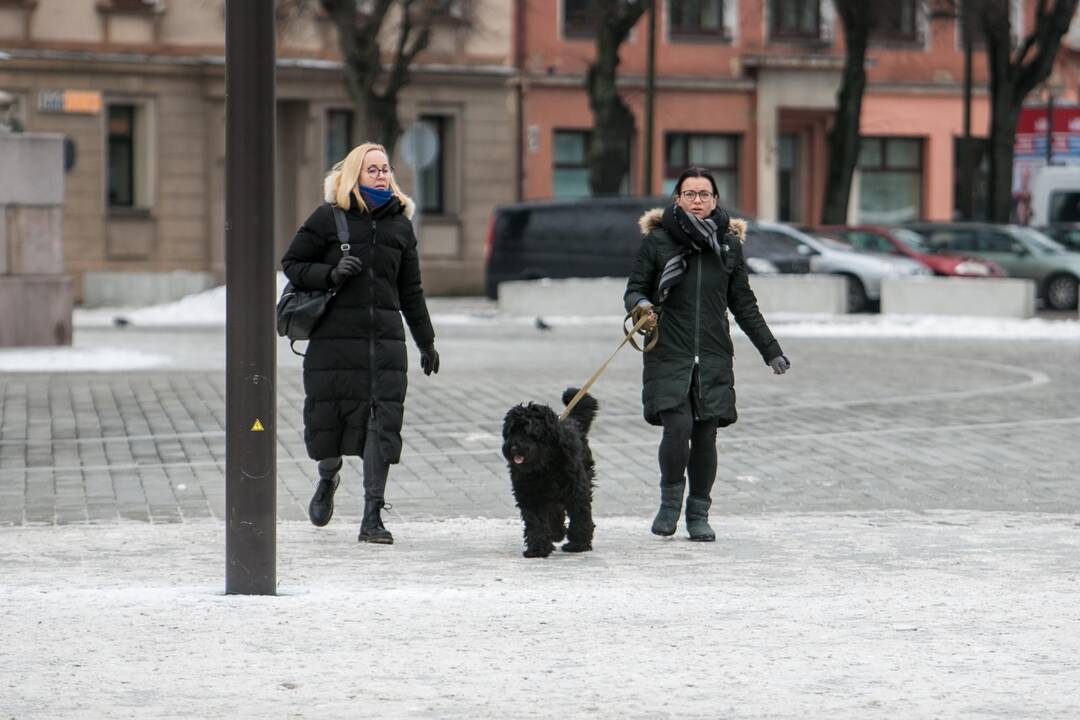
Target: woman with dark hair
column 689, row 272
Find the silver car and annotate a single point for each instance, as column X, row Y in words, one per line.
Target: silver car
column 779, row 244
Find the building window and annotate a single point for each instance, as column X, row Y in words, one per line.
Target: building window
column 717, row 153
column 696, row 18
column 571, row 155
column 121, row 133
column 578, row 16
column 339, row 125
column 433, row 177
column 893, row 21
column 890, row 189
column 796, row 19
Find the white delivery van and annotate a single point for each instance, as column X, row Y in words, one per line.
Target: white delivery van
column 1055, row 195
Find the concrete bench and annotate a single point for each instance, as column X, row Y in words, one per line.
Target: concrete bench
column 982, row 297
column 593, row 297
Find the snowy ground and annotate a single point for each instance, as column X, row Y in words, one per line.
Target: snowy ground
column 891, row 615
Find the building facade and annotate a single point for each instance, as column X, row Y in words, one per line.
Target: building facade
column 137, row 90
column 748, row 88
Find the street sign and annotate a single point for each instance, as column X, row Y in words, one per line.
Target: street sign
column 419, row 145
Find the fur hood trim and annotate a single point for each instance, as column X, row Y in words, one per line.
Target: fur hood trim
column 651, row 220
column 330, row 181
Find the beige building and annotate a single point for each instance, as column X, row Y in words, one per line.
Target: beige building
column 136, row 88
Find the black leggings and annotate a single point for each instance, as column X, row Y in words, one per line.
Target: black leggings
column 376, row 469
column 688, row 446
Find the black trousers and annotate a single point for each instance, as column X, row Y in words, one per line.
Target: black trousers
column 376, row 470
column 688, row 446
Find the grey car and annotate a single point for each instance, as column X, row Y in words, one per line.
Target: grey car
column 1022, row 251
column 864, row 271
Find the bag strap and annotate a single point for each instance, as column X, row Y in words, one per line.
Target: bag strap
column 342, row 229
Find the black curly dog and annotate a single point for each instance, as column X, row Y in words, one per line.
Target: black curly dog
column 551, row 469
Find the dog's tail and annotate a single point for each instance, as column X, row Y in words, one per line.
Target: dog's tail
column 584, row 411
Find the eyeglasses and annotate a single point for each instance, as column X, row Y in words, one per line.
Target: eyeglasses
column 386, row 170
column 704, row 195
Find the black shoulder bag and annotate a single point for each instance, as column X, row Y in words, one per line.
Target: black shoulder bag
column 299, row 311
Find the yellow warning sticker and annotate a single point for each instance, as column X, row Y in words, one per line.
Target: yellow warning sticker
column 257, row 427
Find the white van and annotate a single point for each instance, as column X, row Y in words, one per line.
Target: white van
column 1055, row 195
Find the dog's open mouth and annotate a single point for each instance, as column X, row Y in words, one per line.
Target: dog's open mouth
column 519, row 459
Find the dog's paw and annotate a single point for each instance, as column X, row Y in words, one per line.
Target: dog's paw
column 576, row 547
column 540, row 551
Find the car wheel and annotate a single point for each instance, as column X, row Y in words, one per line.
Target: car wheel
column 856, row 294
column 1061, row 292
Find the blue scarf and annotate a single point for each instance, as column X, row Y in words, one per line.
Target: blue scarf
column 374, row 197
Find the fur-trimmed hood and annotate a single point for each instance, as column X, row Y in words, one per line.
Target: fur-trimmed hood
column 330, row 181
column 651, row 220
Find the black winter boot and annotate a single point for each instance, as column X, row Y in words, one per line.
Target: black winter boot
column 321, row 507
column 371, row 527
column 667, row 519
column 697, row 518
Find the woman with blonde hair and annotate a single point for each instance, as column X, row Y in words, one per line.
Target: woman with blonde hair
column 355, row 369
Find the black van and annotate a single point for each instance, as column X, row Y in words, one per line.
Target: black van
column 587, row 237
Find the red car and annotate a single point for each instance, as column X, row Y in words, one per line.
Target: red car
column 902, row 241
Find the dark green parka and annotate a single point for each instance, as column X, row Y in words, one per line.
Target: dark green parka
column 694, row 325
column 357, row 359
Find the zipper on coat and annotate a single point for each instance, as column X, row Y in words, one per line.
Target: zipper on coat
column 371, row 317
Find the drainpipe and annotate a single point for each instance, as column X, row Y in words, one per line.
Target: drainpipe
column 519, row 64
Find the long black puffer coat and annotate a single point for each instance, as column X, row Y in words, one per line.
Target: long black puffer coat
column 356, row 362
column 694, row 330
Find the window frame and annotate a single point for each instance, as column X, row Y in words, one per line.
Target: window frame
column 876, row 35
column 350, row 120
column 883, row 166
column 776, row 33
column 672, row 172
column 577, row 26
column 113, row 139
column 441, row 125
column 680, row 32
column 556, row 165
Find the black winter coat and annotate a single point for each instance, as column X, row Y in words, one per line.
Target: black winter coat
column 356, row 362
column 694, row 326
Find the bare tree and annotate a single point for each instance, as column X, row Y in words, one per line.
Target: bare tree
column 855, row 15
column 1013, row 75
column 613, row 123
column 372, row 84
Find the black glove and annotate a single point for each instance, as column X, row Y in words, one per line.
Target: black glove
column 429, row 359
column 346, row 268
column 780, row 364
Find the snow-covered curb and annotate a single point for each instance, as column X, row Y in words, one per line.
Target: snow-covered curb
column 951, row 614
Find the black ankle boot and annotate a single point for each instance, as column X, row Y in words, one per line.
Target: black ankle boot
column 697, row 518
column 321, row 507
column 371, row 527
column 670, row 504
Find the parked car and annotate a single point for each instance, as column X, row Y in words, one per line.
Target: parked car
column 908, row 243
column 1022, row 251
column 1068, row 234
column 781, row 244
column 589, row 237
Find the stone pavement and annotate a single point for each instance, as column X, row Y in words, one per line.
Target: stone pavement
column 857, row 425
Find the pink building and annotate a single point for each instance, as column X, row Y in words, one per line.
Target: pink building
column 747, row 88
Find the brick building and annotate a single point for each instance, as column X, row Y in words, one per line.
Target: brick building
column 747, row 88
